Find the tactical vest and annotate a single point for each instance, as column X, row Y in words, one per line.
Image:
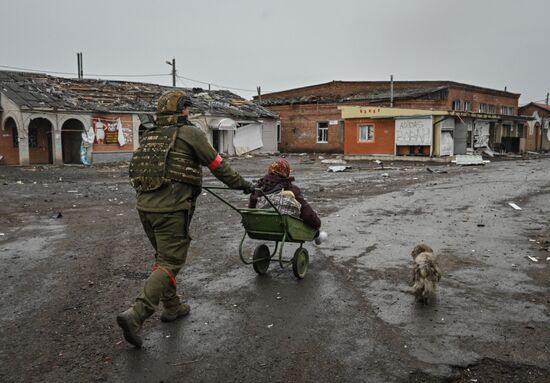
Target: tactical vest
column 155, row 163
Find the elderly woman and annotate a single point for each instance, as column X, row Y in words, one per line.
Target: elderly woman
column 277, row 179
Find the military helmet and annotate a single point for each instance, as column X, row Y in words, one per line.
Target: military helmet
column 173, row 101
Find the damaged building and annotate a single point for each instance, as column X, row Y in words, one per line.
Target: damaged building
column 53, row 120
column 310, row 119
column 537, row 131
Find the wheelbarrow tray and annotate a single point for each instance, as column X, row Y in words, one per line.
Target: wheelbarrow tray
column 268, row 225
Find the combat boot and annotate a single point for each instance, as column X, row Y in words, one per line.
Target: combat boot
column 130, row 323
column 170, row 314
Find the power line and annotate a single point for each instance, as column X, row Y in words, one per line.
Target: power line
column 91, row 74
column 216, row 85
column 128, row 75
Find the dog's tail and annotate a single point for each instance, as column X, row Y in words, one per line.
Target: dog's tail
column 426, row 276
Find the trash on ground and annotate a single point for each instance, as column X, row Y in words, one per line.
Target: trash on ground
column 532, row 258
column 488, row 151
column 480, row 225
column 379, row 163
column 334, row 162
column 467, row 159
column 270, row 325
column 547, row 259
column 385, row 175
column 514, row 206
column 57, row 215
column 2, row 234
column 339, row 168
column 437, row 171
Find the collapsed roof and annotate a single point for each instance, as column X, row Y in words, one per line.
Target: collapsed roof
column 38, row 91
column 374, row 95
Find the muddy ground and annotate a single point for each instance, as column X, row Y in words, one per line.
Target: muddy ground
column 73, row 255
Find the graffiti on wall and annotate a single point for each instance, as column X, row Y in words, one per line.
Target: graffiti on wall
column 414, row 131
column 481, row 134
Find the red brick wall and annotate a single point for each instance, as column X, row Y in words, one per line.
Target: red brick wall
column 299, row 128
column 9, row 152
column 384, row 137
column 42, row 152
column 299, row 121
column 477, row 97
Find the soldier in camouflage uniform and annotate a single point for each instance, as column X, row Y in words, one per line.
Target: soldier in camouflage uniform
column 167, row 175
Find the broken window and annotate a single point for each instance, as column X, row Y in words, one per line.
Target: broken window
column 467, row 106
column 322, row 132
column 507, row 110
column 482, row 108
column 456, row 105
column 366, row 133
column 491, row 108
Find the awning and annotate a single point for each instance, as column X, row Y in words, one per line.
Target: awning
column 221, row 123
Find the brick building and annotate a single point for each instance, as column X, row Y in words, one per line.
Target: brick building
column 537, row 131
column 311, row 122
column 43, row 118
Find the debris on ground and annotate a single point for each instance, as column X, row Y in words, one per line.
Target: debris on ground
column 534, row 259
column 334, row 162
column 380, row 163
column 469, row 159
column 384, row 175
column 341, row 168
column 514, row 206
column 437, row 171
column 57, row 215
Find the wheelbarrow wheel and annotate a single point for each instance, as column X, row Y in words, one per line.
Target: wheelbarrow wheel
column 300, row 263
column 261, row 259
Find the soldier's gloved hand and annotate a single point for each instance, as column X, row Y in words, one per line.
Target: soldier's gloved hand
column 248, row 187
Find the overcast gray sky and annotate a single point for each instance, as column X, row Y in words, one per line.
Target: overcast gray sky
column 283, row 44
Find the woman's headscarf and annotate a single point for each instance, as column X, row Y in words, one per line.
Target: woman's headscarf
column 280, row 168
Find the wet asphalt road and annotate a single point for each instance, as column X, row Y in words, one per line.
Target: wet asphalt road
column 353, row 317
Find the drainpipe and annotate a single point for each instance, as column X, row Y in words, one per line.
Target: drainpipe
column 391, row 91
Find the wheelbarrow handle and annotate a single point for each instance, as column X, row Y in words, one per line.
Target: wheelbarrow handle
column 209, row 190
column 257, row 190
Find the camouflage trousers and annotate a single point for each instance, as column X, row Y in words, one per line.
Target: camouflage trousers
column 169, row 235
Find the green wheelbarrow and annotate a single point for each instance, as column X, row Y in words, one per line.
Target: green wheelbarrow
column 271, row 225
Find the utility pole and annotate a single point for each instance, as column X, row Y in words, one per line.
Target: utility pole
column 547, row 97
column 259, row 89
column 173, row 65
column 80, row 70
column 391, row 91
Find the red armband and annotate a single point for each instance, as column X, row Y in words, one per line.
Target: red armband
column 215, row 163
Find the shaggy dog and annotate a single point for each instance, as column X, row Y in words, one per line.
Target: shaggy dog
column 426, row 272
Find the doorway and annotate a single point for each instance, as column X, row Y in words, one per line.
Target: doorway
column 216, row 140
column 40, row 142
column 71, row 140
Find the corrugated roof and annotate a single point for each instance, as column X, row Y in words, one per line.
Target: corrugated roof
column 37, row 91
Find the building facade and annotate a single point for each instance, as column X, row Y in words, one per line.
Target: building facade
column 537, row 131
column 311, row 122
column 52, row 120
column 399, row 132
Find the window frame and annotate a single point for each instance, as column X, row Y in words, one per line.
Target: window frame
column 324, row 128
column 469, row 104
column 482, row 106
column 369, row 127
column 456, row 104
